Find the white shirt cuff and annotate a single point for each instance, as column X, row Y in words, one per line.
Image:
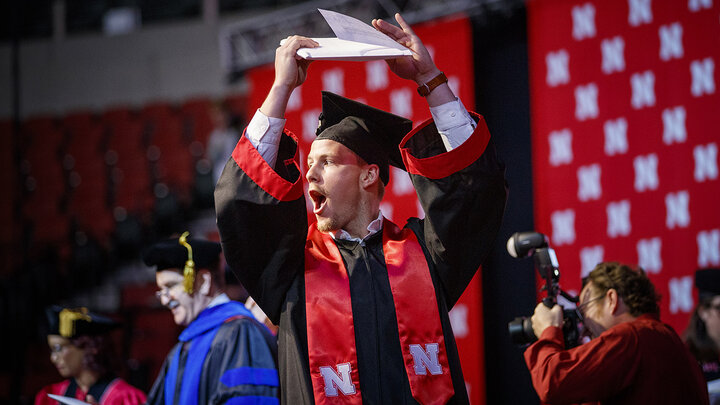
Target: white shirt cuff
column 264, row 133
column 453, row 122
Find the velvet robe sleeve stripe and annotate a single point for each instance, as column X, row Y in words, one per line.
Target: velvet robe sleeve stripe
column 242, row 348
column 463, row 209
column 262, row 221
column 439, row 165
column 251, row 163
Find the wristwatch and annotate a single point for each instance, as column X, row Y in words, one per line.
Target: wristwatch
column 428, row 87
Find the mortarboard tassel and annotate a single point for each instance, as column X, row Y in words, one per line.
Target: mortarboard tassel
column 68, row 317
column 189, row 271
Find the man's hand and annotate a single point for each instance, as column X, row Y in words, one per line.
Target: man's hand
column 290, row 69
column 419, row 67
column 544, row 317
column 290, row 72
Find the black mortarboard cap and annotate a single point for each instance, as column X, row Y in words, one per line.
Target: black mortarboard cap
column 169, row 254
column 371, row 133
column 73, row 322
column 708, row 281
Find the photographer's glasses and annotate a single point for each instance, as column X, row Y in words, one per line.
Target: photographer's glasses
column 581, row 308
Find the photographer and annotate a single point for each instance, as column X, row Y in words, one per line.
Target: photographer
column 633, row 358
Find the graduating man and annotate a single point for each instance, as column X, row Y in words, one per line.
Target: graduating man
column 223, row 353
column 362, row 304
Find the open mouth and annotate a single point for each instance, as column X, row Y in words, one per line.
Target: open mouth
column 318, row 200
column 172, row 304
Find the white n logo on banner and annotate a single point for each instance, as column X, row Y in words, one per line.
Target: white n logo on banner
column 674, row 125
column 671, row 45
column 646, row 177
column 708, row 243
column 560, row 147
column 295, row 101
column 310, row 124
column 333, row 81
column 589, row 187
column 583, row 18
column 618, row 218
column 338, row 381
column 615, row 136
column 640, row 12
column 376, row 75
column 678, row 214
column 557, row 68
column 401, row 183
column 401, row 102
column 705, row 162
column 697, row 5
column 649, row 257
column 563, row 225
column 643, row 89
column 703, row 81
column 426, row 360
column 680, row 294
column 589, row 258
column 459, row 320
column 613, row 56
column 586, row 105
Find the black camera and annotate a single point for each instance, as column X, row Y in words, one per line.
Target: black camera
column 524, row 244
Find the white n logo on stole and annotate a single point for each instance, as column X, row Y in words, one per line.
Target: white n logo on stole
column 426, row 359
column 340, row 380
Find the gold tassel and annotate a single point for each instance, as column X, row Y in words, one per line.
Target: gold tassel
column 189, row 271
column 68, row 317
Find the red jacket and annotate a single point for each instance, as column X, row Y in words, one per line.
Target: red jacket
column 638, row 362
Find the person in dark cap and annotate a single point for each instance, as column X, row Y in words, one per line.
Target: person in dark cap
column 362, row 304
column 702, row 335
column 81, row 352
column 223, row 353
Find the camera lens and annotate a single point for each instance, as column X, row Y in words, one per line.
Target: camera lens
column 521, row 331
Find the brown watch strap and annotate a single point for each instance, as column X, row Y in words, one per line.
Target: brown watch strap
column 425, row 88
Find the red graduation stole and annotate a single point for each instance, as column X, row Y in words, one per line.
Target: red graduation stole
column 331, row 332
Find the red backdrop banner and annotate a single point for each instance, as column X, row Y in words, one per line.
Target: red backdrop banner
column 450, row 43
column 625, row 117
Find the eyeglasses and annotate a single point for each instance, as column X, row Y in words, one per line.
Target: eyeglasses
column 165, row 291
column 581, row 308
column 57, row 348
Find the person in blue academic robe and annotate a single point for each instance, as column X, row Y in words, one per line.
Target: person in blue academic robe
column 224, row 354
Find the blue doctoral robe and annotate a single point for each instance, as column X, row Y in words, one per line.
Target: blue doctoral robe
column 224, row 356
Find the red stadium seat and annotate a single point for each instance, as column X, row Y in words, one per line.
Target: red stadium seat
column 127, row 156
column 197, row 115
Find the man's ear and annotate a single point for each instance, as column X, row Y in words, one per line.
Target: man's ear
column 612, row 300
column 370, row 175
column 206, row 282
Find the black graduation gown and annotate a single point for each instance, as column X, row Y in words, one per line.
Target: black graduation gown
column 262, row 222
column 241, row 342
